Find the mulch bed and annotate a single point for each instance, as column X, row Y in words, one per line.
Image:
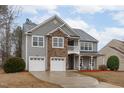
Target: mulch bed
column 95, row 71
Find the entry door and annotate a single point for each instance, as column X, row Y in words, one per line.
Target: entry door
column 71, row 61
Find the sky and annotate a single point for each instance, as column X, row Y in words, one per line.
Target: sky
column 102, row 22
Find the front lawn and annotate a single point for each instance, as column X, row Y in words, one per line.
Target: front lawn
column 22, row 80
column 116, row 78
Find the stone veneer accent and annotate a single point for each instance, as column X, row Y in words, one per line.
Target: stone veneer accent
column 57, row 52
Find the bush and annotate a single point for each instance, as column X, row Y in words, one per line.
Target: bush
column 14, row 64
column 102, row 67
column 113, row 63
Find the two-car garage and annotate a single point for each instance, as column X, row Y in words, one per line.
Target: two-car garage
column 37, row 63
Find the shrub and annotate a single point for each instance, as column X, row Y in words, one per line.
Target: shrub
column 113, row 63
column 102, row 67
column 14, row 64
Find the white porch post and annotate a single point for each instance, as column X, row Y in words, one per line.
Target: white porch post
column 82, row 63
column 103, row 59
column 91, row 62
column 79, row 63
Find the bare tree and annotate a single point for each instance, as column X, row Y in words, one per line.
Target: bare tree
column 17, row 40
column 7, row 17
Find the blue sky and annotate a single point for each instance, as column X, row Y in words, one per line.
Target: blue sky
column 102, row 22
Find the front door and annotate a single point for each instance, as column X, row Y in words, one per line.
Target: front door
column 71, row 61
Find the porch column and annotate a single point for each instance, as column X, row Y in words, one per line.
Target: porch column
column 91, row 62
column 79, row 63
column 103, row 59
column 79, row 47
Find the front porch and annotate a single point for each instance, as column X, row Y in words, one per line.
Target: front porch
column 81, row 62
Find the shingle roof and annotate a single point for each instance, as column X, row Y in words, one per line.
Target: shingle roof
column 70, row 31
column 114, row 44
column 117, row 45
column 84, row 36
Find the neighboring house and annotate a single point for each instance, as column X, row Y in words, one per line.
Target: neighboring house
column 54, row 46
column 115, row 47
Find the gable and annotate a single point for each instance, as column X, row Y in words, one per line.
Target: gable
column 111, row 52
column 47, row 27
column 51, row 24
column 114, row 46
column 59, row 33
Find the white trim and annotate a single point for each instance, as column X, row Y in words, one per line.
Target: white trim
column 38, row 37
column 58, row 28
column 79, row 63
column 46, row 39
column 88, row 46
column 58, row 57
column 57, row 39
column 91, row 62
column 37, row 57
column 26, row 51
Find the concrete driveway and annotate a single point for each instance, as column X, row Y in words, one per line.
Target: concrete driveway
column 71, row 79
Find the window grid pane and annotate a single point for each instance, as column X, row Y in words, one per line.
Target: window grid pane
column 86, row 46
column 38, row 41
column 35, row 39
column 35, row 43
column 58, row 42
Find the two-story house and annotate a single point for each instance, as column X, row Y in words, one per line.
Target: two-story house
column 54, row 46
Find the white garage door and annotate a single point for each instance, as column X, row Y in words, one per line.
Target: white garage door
column 58, row 64
column 36, row 63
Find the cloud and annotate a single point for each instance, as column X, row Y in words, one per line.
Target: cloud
column 119, row 17
column 35, row 9
column 88, row 9
column 108, row 34
column 104, row 36
column 96, row 9
column 40, row 19
column 77, row 23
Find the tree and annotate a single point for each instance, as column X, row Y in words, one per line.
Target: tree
column 7, row 16
column 113, row 63
column 17, row 40
column 3, row 12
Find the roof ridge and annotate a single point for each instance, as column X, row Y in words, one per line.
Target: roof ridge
column 117, row 49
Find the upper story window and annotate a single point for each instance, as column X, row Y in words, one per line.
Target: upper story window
column 58, row 42
column 37, row 41
column 86, row 46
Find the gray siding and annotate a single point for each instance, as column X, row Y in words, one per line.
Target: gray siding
column 46, row 28
column 35, row 51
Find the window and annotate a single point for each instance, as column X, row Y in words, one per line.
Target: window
column 37, row 41
column 58, row 42
column 86, row 46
